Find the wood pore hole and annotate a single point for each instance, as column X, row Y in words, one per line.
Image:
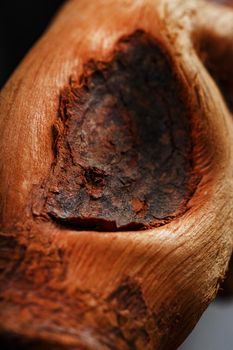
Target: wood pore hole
column 122, row 143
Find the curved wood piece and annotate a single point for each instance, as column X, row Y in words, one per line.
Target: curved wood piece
column 116, row 178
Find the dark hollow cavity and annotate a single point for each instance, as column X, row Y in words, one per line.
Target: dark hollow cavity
column 123, row 149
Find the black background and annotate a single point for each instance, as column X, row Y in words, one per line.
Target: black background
column 21, row 23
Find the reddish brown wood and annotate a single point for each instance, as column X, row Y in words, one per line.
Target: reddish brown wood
column 116, row 191
column 123, row 157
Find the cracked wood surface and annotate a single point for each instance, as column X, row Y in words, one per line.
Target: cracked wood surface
column 66, row 287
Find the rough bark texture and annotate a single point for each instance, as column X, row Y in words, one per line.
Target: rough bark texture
column 123, row 159
column 116, row 191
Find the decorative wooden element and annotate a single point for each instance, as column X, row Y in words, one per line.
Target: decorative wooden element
column 116, row 181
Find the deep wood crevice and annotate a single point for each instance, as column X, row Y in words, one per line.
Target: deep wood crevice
column 123, row 143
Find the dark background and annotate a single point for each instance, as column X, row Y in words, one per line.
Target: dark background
column 21, row 24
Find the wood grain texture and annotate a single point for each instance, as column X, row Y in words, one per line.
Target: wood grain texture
column 123, row 159
column 66, row 287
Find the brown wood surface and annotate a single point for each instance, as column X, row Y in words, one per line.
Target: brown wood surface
column 116, row 180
